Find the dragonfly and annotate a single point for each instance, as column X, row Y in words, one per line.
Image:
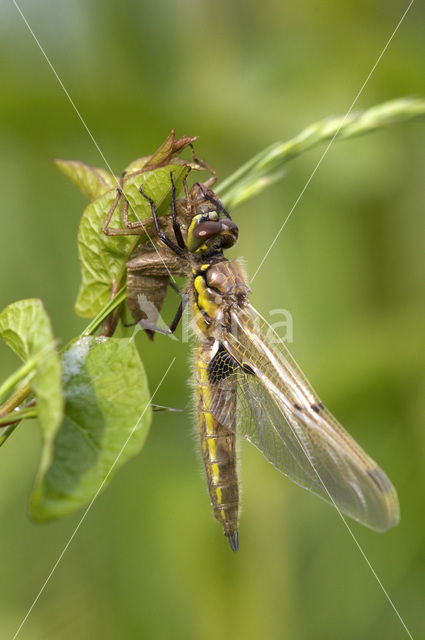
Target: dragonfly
column 248, row 384
column 152, row 266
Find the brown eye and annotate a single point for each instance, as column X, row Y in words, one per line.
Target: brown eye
column 207, row 229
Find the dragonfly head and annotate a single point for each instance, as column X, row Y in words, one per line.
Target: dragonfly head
column 207, row 230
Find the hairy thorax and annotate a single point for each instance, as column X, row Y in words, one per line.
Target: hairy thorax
column 217, row 288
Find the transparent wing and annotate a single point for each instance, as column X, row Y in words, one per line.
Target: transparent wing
column 280, row 414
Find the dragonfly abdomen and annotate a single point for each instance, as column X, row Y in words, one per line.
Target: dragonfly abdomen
column 218, row 446
column 219, row 454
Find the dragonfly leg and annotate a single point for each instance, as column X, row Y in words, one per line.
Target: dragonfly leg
column 174, row 324
column 175, row 288
column 161, row 234
column 215, row 201
column 176, row 224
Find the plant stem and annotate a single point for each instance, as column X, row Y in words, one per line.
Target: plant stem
column 7, row 432
column 8, row 408
column 17, row 416
column 15, row 400
column 260, row 171
column 23, row 372
column 106, row 311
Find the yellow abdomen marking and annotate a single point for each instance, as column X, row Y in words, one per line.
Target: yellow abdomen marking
column 209, row 423
column 212, row 448
column 219, row 495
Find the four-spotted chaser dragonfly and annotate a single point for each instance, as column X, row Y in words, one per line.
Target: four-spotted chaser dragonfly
column 248, row 384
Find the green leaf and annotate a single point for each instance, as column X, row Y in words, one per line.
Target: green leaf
column 25, row 327
column 107, row 417
column 103, row 258
column 91, row 181
column 136, row 165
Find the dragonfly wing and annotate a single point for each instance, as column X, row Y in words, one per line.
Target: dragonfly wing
column 279, row 412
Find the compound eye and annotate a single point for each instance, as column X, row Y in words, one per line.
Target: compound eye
column 207, row 229
column 199, row 233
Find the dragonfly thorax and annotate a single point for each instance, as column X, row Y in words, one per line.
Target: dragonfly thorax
column 217, row 288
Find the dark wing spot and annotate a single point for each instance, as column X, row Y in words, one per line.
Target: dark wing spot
column 247, row 369
column 380, row 480
column 298, row 407
column 317, row 407
column 221, row 366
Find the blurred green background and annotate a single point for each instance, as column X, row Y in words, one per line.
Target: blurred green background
column 149, row 561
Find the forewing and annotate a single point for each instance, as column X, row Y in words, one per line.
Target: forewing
column 279, row 412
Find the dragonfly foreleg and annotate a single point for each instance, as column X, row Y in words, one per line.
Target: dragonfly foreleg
column 176, row 289
column 216, row 202
column 161, row 235
column 176, row 224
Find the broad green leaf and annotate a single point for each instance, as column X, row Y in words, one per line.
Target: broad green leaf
column 91, row 181
column 103, row 258
column 136, row 165
column 107, row 417
column 26, row 328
